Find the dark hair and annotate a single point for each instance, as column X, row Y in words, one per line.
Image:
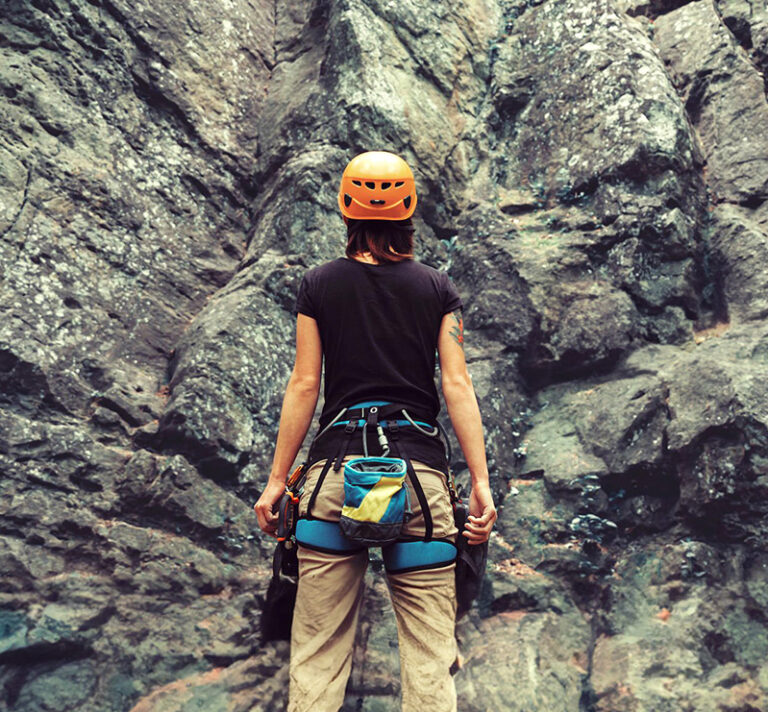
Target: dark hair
column 386, row 240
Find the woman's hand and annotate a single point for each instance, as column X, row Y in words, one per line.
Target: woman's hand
column 263, row 508
column 482, row 515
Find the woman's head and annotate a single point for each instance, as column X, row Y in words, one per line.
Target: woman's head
column 377, row 185
column 386, row 240
column 377, row 197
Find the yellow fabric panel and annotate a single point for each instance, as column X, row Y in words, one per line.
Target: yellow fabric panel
column 375, row 503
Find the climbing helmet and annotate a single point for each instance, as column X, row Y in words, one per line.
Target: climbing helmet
column 377, row 185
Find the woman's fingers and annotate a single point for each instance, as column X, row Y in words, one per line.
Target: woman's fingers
column 475, row 530
column 488, row 516
column 476, row 538
column 478, row 529
column 267, row 518
column 266, row 506
column 483, row 522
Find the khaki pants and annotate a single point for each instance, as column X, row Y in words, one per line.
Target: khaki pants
column 328, row 605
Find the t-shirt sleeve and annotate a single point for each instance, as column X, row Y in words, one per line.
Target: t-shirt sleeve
column 451, row 299
column 304, row 302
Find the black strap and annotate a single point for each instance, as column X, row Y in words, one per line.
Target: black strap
column 320, row 479
column 349, row 431
column 385, row 411
column 401, row 453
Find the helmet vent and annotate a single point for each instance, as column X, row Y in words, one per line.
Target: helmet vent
column 377, row 202
column 370, row 184
column 407, row 201
column 347, row 200
column 385, row 185
column 399, row 183
column 357, row 182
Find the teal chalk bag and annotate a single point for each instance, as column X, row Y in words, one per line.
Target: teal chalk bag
column 376, row 503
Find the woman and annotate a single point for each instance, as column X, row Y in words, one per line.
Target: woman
column 377, row 317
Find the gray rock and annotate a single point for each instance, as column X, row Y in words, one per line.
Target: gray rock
column 724, row 96
column 740, row 247
column 540, row 654
column 593, row 177
column 748, row 21
column 685, row 596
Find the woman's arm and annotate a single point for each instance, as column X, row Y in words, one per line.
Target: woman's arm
column 467, row 424
column 295, row 417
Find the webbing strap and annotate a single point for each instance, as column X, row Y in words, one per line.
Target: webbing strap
column 419, row 495
column 349, row 431
column 401, row 453
column 320, row 479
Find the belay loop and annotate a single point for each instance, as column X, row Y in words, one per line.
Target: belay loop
column 373, row 419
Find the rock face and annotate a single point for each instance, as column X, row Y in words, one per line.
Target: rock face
column 592, row 174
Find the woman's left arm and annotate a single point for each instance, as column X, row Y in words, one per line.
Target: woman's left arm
column 298, row 408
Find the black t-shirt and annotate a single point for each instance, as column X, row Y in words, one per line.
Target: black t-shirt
column 379, row 326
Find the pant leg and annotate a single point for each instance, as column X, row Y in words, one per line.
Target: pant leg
column 327, row 609
column 323, row 630
column 425, row 608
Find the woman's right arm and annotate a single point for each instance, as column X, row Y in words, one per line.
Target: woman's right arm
column 295, row 417
column 465, row 417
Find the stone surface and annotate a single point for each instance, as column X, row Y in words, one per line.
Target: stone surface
column 592, row 174
column 724, row 96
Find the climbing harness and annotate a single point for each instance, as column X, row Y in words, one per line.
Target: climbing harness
column 363, row 478
column 371, row 522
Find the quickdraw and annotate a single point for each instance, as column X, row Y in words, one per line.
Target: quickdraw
column 287, row 506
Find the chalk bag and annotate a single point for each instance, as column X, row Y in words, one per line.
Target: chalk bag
column 376, row 503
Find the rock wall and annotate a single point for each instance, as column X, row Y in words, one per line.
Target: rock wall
column 592, row 174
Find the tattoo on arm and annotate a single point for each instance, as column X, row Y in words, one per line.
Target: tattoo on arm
column 457, row 330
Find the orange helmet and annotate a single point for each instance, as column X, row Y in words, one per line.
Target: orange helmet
column 377, row 185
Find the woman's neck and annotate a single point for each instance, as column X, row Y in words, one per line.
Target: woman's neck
column 369, row 259
column 364, row 257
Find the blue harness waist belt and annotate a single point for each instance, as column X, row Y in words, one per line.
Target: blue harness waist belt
column 367, row 404
column 400, row 423
column 398, row 557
